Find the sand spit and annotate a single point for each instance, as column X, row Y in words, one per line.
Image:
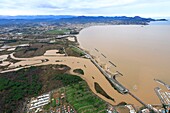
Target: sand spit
column 90, row 72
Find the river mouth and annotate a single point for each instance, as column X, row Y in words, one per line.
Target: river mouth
column 137, row 52
column 141, row 54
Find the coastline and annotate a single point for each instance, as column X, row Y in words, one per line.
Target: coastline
column 135, row 52
column 137, row 104
column 92, row 74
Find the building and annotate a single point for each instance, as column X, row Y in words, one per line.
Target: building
column 132, row 110
column 145, row 111
column 39, row 101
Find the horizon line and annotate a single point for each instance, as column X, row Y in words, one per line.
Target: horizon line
column 88, row 15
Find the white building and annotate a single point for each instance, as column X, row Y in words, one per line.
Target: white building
column 39, row 101
column 132, row 110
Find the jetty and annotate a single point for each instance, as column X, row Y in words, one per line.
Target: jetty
column 103, row 55
column 163, row 83
column 112, row 64
column 96, row 49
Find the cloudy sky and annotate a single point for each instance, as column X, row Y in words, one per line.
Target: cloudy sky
column 145, row 8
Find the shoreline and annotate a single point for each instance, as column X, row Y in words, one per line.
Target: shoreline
column 90, row 71
column 103, row 71
column 139, row 69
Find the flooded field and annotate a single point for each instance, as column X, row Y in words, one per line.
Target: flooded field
column 91, row 73
column 141, row 53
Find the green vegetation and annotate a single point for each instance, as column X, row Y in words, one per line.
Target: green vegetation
column 4, row 83
column 73, row 51
column 10, row 41
column 15, row 86
column 101, row 91
column 20, row 87
column 53, row 103
column 83, row 100
column 81, row 53
column 79, row 71
column 58, row 32
column 13, row 90
column 36, row 49
column 67, row 79
column 47, row 107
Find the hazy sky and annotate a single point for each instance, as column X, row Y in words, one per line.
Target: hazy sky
column 145, row 8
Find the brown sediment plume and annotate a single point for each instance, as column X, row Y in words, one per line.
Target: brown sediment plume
column 90, row 72
column 140, row 53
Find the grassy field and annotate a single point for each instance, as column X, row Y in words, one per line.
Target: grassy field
column 38, row 49
column 58, row 32
column 83, row 100
column 72, row 51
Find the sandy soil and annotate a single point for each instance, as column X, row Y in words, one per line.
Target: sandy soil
column 71, row 39
column 53, row 52
column 3, row 57
column 8, row 47
column 11, row 49
column 90, row 70
column 2, row 49
column 5, row 63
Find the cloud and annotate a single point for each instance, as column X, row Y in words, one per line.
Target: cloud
column 69, row 4
column 85, row 7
